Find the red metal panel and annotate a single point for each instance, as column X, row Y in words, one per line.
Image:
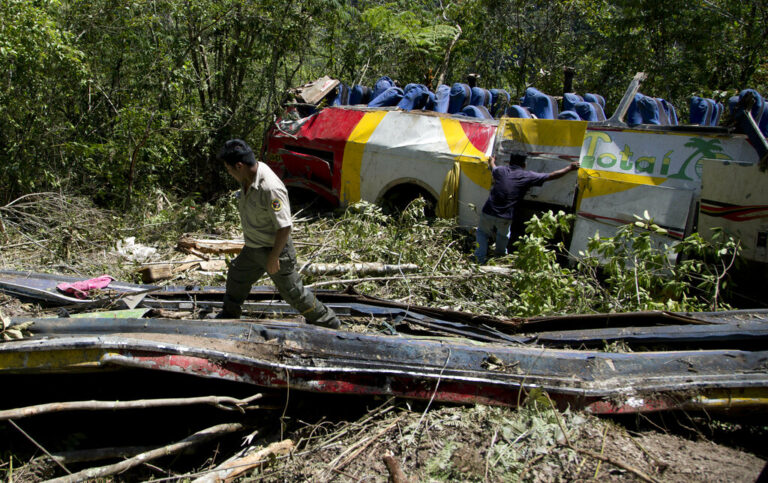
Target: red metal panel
column 479, row 134
column 333, row 382
column 328, row 131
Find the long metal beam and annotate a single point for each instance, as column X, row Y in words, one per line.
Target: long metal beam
column 280, row 354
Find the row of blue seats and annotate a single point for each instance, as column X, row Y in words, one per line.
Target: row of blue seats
column 703, row 111
column 536, row 104
column 651, row 110
column 477, row 102
column 459, row 99
column 642, row 110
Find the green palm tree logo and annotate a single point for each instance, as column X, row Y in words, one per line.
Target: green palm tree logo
column 703, row 149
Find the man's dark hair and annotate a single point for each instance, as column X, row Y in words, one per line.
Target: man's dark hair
column 236, row 151
column 517, row 159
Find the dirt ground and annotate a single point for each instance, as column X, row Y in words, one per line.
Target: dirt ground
column 502, row 444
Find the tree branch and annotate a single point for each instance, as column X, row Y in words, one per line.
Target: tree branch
column 221, row 402
column 197, row 438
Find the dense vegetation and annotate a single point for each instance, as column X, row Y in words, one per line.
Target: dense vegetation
column 117, row 100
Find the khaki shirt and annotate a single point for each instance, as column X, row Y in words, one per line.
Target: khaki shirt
column 264, row 209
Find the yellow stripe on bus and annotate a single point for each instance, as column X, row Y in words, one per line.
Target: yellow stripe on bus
column 594, row 182
column 473, row 161
column 353, row 156
column 545, row 132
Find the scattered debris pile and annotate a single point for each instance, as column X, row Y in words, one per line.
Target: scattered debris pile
column 636, row 363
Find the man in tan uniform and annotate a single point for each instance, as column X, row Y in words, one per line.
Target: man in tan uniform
column 266, row 219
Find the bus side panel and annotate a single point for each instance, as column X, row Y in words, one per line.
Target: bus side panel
column 734, row 197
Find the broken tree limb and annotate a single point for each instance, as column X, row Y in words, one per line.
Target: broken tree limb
column 230, row 469
column 197, row 438
column 497, row 270
column 355, row 281
column 39, row 446
column 86, row 455
column 196, row 253
column 221, row 402
column 358, row 268
column 152, row 272
column 188, row 243
column 620, row 464
column 353, row 451
column 395, row 472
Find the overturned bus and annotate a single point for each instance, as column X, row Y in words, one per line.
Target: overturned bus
column 688, row 178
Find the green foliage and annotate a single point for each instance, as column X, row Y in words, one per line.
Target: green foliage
column 541, row 283
column 116, row 101
column 642, row 273
column 627, row 272
column 41, row 69
column 519, row 436
column 630, row 271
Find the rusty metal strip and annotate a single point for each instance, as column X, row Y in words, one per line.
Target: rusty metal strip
column 309, row 358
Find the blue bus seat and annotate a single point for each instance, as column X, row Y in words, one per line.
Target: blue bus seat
column 589, row 111
column 459, row 97
column 415, row 96
column 390, row 97
column 381, row 85
column 478, row 112
column 442, row 98
column 518, row 112
column 569, row 115
column 703, row 111
column 342, row 95
column 540, row 104
column 570, row 99
column 589, row 97
column 480, row 97
column 670, row 111
column 360, row 95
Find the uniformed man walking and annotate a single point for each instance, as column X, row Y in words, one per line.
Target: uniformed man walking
column 265, row 215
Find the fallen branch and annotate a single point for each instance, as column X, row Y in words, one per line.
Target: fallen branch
column 598, row 456
column 358, row 268
column 395, row 472
column 197, row 438
column 39, row 446
column 221, row 402
column 187, row 243
column 358, row 448
column 86, row 455
column 354, row 281
column 620, row 464
column 230, row 469
column 154, row 271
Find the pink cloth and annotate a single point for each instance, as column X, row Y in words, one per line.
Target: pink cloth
column 81, row 289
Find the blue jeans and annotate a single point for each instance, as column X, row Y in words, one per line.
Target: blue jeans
column 484, row 232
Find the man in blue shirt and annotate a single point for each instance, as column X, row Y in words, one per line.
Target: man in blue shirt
column 510, row 184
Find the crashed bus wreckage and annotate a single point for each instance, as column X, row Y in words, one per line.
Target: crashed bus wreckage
column 403, row 143
column 694, row 361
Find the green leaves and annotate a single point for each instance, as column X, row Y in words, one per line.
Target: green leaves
column 118, row 101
